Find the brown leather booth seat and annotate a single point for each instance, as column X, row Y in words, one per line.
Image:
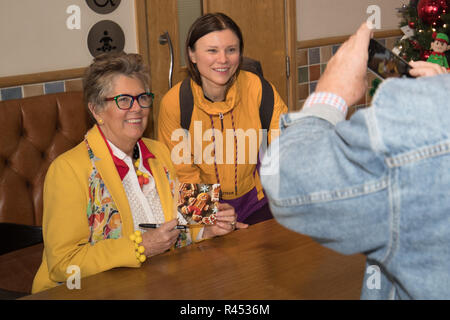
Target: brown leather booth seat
column 34, row 131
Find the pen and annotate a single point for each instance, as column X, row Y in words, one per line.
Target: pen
column 156, row 225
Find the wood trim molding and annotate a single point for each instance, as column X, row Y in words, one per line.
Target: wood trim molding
column 205, row 6
column 141, row 28
column 291, row 36
column 336, row 40
column 24, row 79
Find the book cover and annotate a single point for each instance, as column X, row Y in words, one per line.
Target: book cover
column 198, row 203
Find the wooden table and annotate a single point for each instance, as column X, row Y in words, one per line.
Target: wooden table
column 264, row 262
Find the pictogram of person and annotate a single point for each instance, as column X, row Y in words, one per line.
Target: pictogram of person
column 106, row 43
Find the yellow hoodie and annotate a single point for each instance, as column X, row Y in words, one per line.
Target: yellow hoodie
column 240, row 112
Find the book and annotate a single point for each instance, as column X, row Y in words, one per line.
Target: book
column 198, row 203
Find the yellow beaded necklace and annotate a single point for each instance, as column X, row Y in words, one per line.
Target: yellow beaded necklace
column 143, row 178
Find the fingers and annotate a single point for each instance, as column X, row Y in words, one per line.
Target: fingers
column 362, row 38
column 159, row 240
column 223, row 206
column 225, row 219
column 359, row 41
column 346, row 71
column 168, row 231
column 226, row 214
column 364, row 33
column 224, row 225
column 240, row 225
column 226, row 222
column 426, row 69
column 169, row 225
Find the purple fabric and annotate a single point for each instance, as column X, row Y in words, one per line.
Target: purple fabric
column 248, row 208
column 260, row 215
column 247, row 204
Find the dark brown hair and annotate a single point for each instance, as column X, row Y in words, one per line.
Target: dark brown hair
column 202, row 26
column 99, row 76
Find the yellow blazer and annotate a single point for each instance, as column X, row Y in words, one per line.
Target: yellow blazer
column 65, row 225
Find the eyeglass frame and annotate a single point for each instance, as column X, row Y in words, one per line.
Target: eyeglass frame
column 133, row 98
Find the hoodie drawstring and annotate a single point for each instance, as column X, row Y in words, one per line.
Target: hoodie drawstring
column 235, row 148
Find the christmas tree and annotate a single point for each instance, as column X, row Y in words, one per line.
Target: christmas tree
column 420, row 19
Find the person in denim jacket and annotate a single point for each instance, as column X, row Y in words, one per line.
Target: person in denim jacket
column 377, row 184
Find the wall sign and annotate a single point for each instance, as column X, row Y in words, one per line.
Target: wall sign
column 103, row 6
column 105, row 36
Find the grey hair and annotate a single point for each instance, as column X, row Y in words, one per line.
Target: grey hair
column 99, row 77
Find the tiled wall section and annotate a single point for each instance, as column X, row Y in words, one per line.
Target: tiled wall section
column 40, row 89
column 311, row 63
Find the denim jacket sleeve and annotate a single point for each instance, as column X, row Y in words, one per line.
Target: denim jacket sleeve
column 330, row 179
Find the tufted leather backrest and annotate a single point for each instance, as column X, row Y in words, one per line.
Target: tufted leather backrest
column 33, row 132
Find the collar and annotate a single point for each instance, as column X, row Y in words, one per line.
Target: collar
column 438, row 53
column 121, row 166
column 145, row 154
column 232, row 98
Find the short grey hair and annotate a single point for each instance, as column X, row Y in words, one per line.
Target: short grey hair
column 99, row 76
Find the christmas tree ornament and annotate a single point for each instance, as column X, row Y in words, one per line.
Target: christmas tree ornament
column 438, row 47
column 424, row 55
column 417, row 39
column 430, row 11
column 416, row 45
column 407, row 32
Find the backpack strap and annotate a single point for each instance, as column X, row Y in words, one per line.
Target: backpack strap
column 186, row 103
column 266, row 106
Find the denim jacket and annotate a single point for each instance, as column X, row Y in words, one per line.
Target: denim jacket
column 377, row 184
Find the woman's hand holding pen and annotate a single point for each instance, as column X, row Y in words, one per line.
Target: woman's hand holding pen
column 225, row 222
column 161, row 239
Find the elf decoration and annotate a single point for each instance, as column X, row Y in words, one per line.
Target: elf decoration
column 422, row 19
column 425, row 24
column 439, row 46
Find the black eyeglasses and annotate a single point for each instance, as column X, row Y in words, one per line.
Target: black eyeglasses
column 125, row 101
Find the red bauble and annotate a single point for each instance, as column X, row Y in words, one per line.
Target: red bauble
column 425, row 55
column 415, row 44
column 412, row 24
column 430, row 11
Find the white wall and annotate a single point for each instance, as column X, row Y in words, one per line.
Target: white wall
column 329, row 18
column 34, row 37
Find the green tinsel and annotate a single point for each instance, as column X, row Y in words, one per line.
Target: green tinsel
column 375, row 83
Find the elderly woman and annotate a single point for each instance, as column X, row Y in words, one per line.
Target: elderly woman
column 97, row 194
